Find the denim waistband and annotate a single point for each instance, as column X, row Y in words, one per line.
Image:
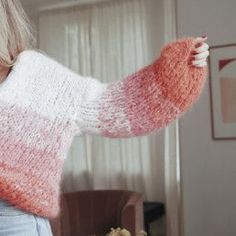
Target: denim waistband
column 7, row 207
column 4, row 203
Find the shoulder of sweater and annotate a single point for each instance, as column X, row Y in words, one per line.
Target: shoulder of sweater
column 35, row 61
column 39, row 66
column 34, row 57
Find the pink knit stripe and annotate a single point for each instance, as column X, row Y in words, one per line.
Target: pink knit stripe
column 41, row 163
column 179, row 82
column 143, row 112
column 146, row 108
column 17, row 123
column 29, row 193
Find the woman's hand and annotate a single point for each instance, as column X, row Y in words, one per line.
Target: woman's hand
column 199, row 55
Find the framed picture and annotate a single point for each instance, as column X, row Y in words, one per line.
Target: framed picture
column 222, row 72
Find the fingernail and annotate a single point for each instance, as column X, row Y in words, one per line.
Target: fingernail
column 198, row 45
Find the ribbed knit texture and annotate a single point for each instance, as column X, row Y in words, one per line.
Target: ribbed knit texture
column 43, row 105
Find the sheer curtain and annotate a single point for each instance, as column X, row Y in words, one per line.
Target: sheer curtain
column 174, row 211
column 109, row 41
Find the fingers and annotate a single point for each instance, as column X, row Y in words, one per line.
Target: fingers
column 199, row 63
column 200, row 53
column 202, row 48
column 201, row 39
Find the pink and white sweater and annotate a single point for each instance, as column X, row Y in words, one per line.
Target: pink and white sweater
column 43, row 105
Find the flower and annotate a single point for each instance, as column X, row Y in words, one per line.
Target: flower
column 123, row 232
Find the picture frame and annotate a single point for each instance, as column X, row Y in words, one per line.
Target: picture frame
column 222, row 73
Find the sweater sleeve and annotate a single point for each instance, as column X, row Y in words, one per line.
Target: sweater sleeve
column 144, row 101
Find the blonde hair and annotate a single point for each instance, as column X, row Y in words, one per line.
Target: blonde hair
column 16, row 32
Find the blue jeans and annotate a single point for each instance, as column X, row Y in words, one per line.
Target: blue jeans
column 16, row 222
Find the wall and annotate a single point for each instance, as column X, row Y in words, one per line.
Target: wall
column 208, row 167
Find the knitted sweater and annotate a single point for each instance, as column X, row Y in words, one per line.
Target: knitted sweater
column 43, row 105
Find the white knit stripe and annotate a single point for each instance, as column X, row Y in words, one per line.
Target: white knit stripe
column 43, row 85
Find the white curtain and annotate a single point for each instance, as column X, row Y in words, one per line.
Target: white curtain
column 109, row 41
column 174, row 217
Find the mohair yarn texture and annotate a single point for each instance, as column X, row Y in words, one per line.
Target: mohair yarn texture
column 43, row 105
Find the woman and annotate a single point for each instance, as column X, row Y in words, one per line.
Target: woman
column 43, row 105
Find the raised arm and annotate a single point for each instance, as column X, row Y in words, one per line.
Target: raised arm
column 145, row 101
